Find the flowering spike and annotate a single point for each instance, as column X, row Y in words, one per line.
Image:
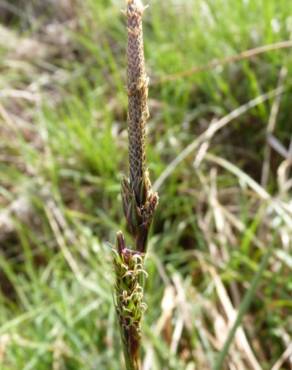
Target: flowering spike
column 139, row 201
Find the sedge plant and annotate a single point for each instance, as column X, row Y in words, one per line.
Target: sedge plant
column 139, row 200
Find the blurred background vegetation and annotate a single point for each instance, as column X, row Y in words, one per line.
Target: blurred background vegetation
column 224, row 182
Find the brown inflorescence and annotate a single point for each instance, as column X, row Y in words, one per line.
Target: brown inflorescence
column 139, row 200
column 138, row 92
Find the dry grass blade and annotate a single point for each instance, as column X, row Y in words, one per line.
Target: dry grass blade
column 271, row 128
column 240, row 336
column 247, row 54
column 281, row 208
column 287, row 355
column 211, row 131
column 243, row 309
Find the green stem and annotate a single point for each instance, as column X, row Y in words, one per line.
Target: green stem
column 242, row 309
column 131, row 363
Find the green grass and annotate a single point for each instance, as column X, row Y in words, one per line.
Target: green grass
column 66, row 153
